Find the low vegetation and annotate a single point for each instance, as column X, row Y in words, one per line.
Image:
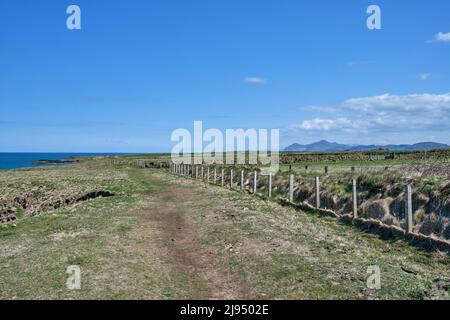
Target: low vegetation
column 163, row 236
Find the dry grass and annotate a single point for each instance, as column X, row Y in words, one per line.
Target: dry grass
column 165, row 237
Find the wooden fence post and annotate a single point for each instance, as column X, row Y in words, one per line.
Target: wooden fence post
column 207, row 172
column 355, row 199
column 408, row 209
column 255, row 181
column 215, row 175
column 242, row 180
column 196, row 172
column 231, row 179
column 291, row 188
column 203, row 173
column 270, row 185
column 317, row 192
column 222, row 177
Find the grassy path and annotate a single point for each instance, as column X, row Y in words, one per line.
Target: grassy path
column 165, row 237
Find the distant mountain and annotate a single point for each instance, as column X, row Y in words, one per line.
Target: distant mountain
column 325, row 146
column 320, row 146
column 422, row 146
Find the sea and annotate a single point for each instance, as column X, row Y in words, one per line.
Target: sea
column 26, row 160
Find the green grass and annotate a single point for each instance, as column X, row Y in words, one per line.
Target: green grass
column 261, row 249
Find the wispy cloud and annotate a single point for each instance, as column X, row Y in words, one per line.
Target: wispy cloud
column 359, row 63
column 425, row 76
column 255, row 80
column 321, row 109
column 442, row 37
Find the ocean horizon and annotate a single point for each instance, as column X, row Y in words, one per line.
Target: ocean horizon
column 18, row 160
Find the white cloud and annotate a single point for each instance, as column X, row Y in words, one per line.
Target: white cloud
column 384, row 117
column 388, row 102
column 321, row 109
column 255, row 80
column 442, row 37
column 324, row 124
column 339, row 124
column 425, row 76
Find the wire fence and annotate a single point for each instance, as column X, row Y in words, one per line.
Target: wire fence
column 343, row 196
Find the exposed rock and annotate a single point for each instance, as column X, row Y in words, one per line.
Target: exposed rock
column 419, row 216
column 394, row 190
column 446, row 209
column 397, row 207
column 389, row 220
column 329, row 201
column 22, row 201
column 446, row 231
column 47, row 162
column 302, row 192
column 36, row 205
column 95, row 194
column 419, row 199
column 432, row 224
column 7, row 214
column 386, row 203
column 378, row 209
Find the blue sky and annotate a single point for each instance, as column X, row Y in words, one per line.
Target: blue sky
column 137, row 70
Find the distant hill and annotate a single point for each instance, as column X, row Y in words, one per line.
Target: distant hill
column 320, row 146
column 325, row 146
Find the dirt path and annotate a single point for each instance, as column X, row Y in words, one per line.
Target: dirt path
column 182, row 245
column 163, row 236
column 235, row 241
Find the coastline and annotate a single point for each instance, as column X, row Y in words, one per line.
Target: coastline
column 26, row 160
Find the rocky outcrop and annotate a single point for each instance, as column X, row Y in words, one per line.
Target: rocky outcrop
column 33, row 205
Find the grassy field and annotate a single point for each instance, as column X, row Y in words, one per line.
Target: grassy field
column 163, row 236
